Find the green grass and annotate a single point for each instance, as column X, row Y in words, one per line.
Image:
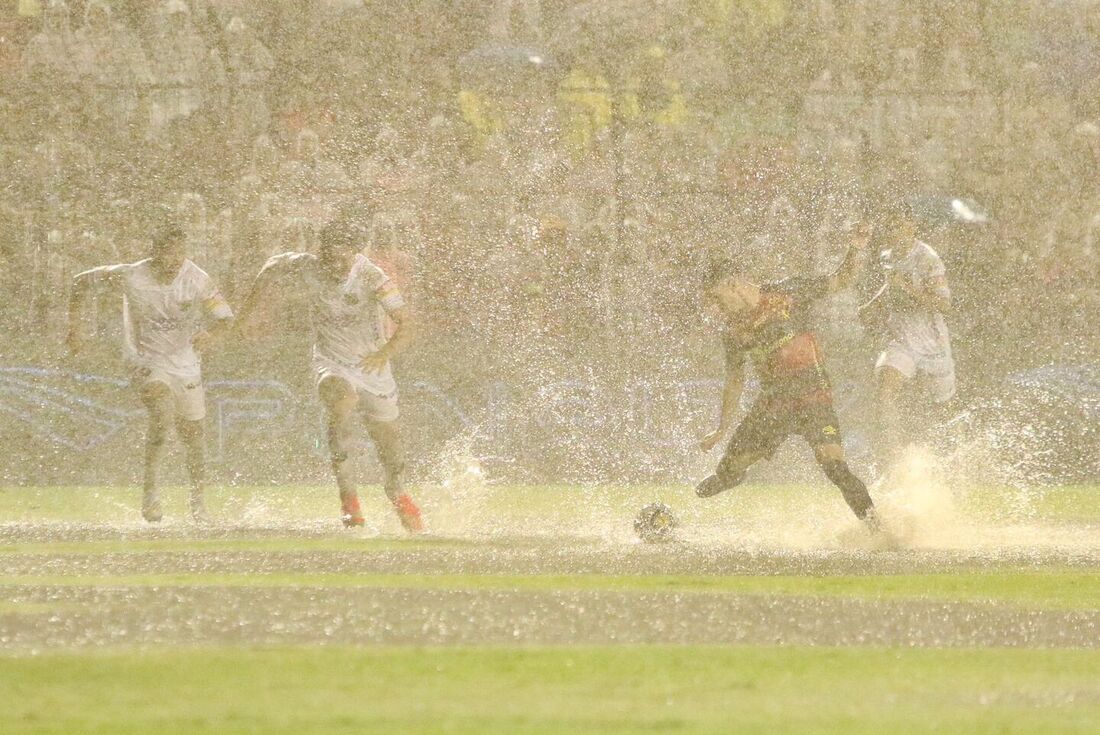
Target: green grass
column 484, row 691
column 296, row 503
column 517, row 690
column 1052, row 589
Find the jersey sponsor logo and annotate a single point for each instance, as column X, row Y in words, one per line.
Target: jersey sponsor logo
column 164, row 323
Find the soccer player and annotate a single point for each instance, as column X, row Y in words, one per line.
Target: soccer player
column 771, row 323
column 911, row 304
column 166, row 301
column 349, row 298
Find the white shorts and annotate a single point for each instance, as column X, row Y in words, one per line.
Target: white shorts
column 938, row 373
column 374, row 406
column 188, row 396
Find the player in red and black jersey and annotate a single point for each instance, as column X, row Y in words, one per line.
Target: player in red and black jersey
column 771, row 324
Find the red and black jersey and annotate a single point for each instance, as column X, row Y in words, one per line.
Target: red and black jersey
column 778, row 336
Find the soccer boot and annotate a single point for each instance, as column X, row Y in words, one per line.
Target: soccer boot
column 408, row 513
column 199, row 513
column 716, row 484
column 350, row 513
column 150, row 506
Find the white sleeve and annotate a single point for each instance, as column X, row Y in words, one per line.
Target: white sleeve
column 385, row 290
column 105, row 277
column 213, row 303
column 934, row 276
column 285, row 264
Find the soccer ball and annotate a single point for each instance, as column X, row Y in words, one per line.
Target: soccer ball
column 655, row 523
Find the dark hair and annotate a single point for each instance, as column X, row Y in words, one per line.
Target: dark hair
column 719, row 270
column 167, row 232
column 894, row 209
column 338, row 237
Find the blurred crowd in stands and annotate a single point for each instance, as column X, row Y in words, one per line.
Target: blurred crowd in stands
column 550, row 177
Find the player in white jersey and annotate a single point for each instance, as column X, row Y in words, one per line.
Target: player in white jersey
column 349, row 298
column 911, row 305
column 167, row 301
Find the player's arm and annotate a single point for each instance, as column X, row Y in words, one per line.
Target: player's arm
column 220, row 316
column 731, row 399
column 274, row 270
column 931, row 294
column 936, row 294
column 873, row 311
column 105, row 277
column 404, row 333
column 854, row 261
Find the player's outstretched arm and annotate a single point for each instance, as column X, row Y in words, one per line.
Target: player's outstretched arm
column 262, row 287
column 731, row 399
column 78, row 297
column 219, row 319
column 854, row 261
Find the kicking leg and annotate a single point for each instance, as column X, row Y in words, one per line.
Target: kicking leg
column 830, row 457
column 340, row 399
column 730, row 473
column 758, row 436
column 157, row 398
column 191, row 434
column 386, row 436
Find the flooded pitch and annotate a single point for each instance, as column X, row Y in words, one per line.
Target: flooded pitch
column 90, row 584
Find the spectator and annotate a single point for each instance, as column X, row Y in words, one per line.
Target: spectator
column 248, row 66
column 114, row 67
column 187, row 73
column 50, row 59
column 316, row 187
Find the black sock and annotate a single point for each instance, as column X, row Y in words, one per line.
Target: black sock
column 854, row 491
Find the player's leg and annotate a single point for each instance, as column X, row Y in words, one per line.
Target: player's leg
column 191, row 434
column 937, row 381
column 189, row 402
column 892, row 371
column 156, row 396
column 819, row 426
column 339, row 399
column 755, row 438
column 730, row 473
column 830, row 457
column 384, row 426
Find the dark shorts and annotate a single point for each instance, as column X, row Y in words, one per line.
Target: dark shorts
column 766, row 427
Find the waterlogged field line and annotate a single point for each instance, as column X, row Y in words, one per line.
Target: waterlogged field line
column 1073, row 503
column 1053, row 589
column 624, row 689
column 209, row 545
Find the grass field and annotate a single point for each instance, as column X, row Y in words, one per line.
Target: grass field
column 533, row 610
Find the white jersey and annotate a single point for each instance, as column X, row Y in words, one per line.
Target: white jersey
column 348, row 317
column 922, row 332
column 160, row 319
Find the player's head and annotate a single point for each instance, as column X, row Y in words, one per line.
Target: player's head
column 338, row 243
column 178, row 14
column 55, row 17
column 898, row 225
column 169, row 246
column 727, row 287
column 97, row 15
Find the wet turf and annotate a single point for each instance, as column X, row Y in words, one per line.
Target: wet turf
column 553, row 690
column 544, row 618
column 1049, row 589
